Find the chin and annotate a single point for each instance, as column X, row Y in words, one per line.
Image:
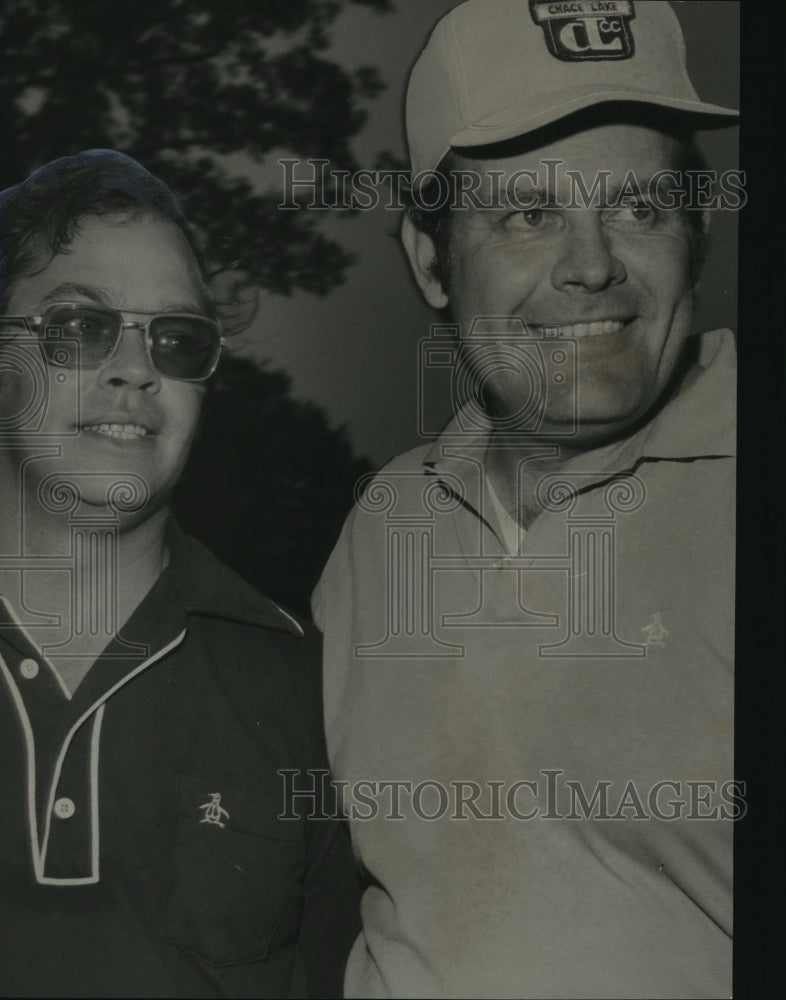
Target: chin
column 591, row 427
column 598, row 429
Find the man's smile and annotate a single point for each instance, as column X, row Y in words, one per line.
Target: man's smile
column 123, row 425
column 123, row 432
column 581, row 329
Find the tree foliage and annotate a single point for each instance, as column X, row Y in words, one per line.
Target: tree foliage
column 201, row 92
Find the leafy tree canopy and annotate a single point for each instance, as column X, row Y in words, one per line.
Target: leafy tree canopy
column 201, row 92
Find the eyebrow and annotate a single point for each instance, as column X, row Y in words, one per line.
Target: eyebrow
column 183, row 306
column 534, row 197
column 542, row 197
column 104, row 297
column 69, row 288
column 647, row 185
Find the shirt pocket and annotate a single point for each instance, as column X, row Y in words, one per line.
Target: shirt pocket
column 234, row 872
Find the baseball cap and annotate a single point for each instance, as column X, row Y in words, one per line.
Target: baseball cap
column 497, row 69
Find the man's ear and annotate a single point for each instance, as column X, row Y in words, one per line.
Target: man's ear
column 421, row 253
column 700, row 247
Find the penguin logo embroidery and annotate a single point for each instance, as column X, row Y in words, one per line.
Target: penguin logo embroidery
column 656, row 631
column 214, row 810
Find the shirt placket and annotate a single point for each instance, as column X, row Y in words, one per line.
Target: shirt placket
column 61, row 803
column 62, row 738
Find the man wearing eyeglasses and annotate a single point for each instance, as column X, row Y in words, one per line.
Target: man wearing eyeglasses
column 148, row 696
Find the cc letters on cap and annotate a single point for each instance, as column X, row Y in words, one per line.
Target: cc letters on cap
column 586, row 29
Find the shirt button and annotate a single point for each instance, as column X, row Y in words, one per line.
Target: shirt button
column 64, row 808
column 29, row 669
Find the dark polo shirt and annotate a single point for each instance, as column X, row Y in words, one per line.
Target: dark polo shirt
column 141, row 853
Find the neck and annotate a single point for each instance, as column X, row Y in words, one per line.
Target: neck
column 515, row 472
column 48, row 560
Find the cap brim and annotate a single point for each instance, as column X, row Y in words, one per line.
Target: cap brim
column 528, row 115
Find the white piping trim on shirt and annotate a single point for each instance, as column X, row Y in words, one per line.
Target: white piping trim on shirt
column 96, row 827
column 30, row 754
column 287, row 615
column 40, row 856
column 39, row 851
column 55, row 672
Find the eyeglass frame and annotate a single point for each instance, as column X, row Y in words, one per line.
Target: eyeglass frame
column 36, row 323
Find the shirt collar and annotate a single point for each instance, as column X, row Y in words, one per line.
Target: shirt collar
column 205, row 586
column 194, row 583
column 698, row 422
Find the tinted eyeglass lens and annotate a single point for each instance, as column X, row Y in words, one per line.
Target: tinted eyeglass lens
column 83, row 336
column 184, row 346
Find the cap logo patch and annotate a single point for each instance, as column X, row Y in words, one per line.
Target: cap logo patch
column 576, row 30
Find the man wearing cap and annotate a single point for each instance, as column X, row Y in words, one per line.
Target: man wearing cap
column 528, row 622
column 148, row 695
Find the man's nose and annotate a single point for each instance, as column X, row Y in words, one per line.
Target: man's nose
column 588, row 262
column 130, row 366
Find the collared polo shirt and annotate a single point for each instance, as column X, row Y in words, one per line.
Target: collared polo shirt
column 535, row 741
column 141, row 851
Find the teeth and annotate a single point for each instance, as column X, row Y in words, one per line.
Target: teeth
column 125, row 432
column 579, row 330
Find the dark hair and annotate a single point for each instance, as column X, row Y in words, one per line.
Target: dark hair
column 41, row 216
column 436, row 222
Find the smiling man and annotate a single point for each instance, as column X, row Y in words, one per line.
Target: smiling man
column 148, row 696
column 529, row 622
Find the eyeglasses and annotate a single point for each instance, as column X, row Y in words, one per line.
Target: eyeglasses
column 182, row 346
